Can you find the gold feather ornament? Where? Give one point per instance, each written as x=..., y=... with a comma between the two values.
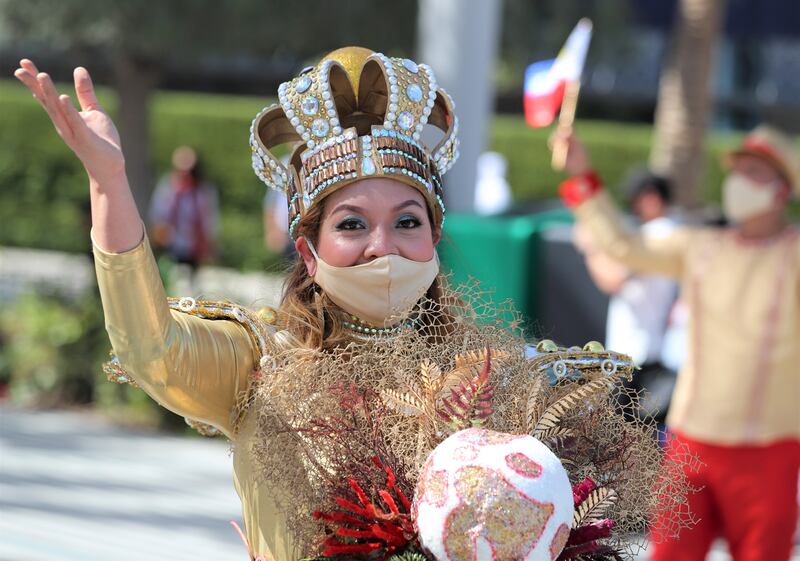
x=423, y=385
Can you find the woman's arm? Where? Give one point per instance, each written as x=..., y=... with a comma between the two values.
x=597, y=213
x=195, y=367
x=92, y=136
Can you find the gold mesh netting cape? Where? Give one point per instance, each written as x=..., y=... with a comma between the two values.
x=303, y=420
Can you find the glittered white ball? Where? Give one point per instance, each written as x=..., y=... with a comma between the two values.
x=491, y=496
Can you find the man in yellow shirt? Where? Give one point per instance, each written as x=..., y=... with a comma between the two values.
x=737, y=400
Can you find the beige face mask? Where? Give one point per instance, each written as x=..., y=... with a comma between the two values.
x=743, y=198
x=377, y=291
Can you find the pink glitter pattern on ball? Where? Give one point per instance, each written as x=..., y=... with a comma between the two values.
x=559, y=541
x=465, y=453
x=486, y=437
x=523, y=465
x=491, y=508
x=434, y=491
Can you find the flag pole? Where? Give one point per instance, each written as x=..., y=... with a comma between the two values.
x=565, y=120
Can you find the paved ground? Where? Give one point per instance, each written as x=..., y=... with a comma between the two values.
x=75, y=488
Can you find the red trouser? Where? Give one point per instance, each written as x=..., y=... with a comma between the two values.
x=748, y=497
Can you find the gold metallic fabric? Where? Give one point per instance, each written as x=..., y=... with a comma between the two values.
x=196, y=368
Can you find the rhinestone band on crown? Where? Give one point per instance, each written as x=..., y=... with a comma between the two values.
x=332, y=156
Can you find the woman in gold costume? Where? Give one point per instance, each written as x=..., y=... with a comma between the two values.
x=334, y=401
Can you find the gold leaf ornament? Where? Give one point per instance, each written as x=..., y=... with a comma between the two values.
x=595, y=507
x=554, y=414
x=403, y=402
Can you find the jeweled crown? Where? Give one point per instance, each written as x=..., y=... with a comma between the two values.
x=357, y=114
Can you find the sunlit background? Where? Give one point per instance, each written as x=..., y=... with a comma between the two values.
x=669, y=83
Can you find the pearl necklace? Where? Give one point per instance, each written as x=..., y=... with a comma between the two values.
x=357, y=325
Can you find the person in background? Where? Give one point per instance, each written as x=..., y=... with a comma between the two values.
x=184, y=211
x=736, y=400
x=640, y=303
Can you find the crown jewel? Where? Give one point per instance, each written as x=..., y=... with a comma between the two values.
x=356, y=114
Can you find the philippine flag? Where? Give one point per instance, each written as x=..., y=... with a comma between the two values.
x=546, y=81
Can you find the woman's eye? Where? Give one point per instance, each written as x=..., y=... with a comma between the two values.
x=350, y=224
x=409, y=222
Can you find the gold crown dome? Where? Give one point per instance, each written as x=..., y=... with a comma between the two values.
x=357, y=114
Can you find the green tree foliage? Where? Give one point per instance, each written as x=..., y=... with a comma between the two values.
x=157, y=31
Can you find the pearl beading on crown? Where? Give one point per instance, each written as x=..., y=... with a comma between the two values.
x=332, y=156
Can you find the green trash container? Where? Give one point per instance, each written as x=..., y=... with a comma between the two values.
x=502, y=253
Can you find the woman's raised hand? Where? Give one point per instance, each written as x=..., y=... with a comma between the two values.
x=90, y=133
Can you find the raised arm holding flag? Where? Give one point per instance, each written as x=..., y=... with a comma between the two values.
x=554, y=84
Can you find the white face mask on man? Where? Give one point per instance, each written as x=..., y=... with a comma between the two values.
x=375, y=292
x=743, y=198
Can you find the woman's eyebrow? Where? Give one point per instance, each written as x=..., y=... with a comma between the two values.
x=409, y=202
x=360, y=210
x=351, y=208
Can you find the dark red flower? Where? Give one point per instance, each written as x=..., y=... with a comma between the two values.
x=362, y=527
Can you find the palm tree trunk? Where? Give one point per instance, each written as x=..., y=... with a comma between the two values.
x=135, y=81
x=684, y=99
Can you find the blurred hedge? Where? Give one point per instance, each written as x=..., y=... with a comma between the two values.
x=52, y=347
x=43, y=199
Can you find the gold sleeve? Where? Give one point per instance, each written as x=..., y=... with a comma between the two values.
x=195, y=367
x=663, y=255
